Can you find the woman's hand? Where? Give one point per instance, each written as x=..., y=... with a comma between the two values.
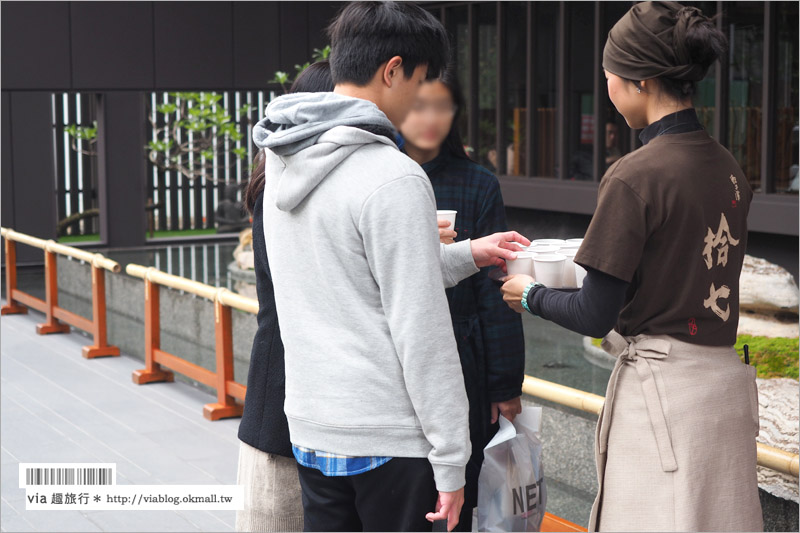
x=509, y=409
x=494, y=249
x=446, y=236
x=513, y=287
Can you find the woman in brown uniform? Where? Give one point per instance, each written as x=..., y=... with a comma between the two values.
x=675, y=444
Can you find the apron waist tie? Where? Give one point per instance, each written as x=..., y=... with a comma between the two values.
x=638, y=353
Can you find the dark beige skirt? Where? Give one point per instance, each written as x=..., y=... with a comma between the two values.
x=676, y=442
x=273, y=500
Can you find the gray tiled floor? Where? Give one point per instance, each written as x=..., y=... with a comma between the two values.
x=56, y=406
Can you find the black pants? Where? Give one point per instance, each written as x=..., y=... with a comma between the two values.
x=394, y=497
x=465, y=519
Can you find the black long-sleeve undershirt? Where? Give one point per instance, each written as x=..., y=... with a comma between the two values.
x=592, y=311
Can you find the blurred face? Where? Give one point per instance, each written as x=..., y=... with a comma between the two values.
x=401, y=93
x=428, y=123
x=631, y=104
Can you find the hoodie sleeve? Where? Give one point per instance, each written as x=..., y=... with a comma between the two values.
x=398, y=226
x=457, y=262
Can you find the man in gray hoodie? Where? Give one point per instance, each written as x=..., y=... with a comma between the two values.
x=375, y=395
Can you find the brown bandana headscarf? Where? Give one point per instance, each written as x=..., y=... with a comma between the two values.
x=649, y=41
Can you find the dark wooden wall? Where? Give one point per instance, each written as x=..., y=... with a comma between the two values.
x=118, y=50
x=100, y=46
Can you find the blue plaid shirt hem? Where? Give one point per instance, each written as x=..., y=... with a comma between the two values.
x=331, y=464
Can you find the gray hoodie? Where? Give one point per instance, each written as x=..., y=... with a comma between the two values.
x=350, y=224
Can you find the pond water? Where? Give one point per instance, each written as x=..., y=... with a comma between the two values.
x=206, y=263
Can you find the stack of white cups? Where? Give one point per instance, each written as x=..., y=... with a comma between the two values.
x=551, y=262
x=548, y=262
x=577, y=272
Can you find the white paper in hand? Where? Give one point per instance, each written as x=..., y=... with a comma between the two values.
x=507, y=431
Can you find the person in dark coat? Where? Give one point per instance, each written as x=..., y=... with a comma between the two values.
x=267, y=467
x=488, y=334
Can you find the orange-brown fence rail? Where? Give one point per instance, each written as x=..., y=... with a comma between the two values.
x=58, y=319
x=222, y=380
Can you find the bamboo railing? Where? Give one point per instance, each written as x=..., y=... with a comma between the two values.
x=58, y=320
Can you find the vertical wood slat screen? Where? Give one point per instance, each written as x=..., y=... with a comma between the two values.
x=181, y=203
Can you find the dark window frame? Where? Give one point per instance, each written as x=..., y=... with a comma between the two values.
x=771, y=212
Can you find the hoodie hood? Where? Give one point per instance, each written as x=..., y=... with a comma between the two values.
x=306, y=131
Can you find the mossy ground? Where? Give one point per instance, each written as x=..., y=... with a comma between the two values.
x=94, y=237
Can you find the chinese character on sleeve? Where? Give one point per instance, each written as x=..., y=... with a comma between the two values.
x=711, y=302
x=719, y=241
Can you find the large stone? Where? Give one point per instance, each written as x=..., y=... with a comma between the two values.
x=766, y=288
x=778, y=414
x=246, y=289
x=767, y=326
x=243, y=254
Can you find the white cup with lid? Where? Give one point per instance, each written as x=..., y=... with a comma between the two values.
x=541, y=249
x=548, y=242
x=549, y=269
x=523, y=264
x=569, y=280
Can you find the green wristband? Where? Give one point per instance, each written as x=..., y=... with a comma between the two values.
x=531, y=285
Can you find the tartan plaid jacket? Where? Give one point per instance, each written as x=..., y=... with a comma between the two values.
x=463, y=185
x=488, y=333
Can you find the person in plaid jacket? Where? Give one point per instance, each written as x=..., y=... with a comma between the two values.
x=489, y=335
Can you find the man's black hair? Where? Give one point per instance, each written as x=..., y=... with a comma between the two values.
x=364, y=35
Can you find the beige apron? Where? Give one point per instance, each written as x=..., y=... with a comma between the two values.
x=675, y=443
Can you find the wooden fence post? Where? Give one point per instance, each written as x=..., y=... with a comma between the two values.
x=100, y=348
x=53, y=325
x=11, y=307
x=152, y=338
x=226, y=405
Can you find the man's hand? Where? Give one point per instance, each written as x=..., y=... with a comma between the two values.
x=446, y=236
x=513, y=287
x=494, y=249
x=509, y=409
x=448, y=506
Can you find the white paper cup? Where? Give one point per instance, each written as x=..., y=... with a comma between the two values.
x=549, y=269
x=549, y=242
x=569, y=246
x=569, y=281
x=541, y=249
x=580, y=274
x=448, y=215
x=523, y=264
x=575, y=241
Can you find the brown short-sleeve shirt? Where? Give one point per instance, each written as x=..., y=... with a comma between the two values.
x=671, y=219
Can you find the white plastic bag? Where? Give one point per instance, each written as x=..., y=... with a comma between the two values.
x=511, y=490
